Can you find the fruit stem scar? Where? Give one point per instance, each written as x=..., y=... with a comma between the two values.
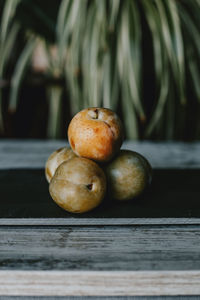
x=97, y=113
x=93, y=113
x=89, y=186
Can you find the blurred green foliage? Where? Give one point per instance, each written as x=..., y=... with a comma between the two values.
x=138, y=57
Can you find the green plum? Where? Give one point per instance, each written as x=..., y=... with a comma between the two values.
x=128, y=175
x=78, y=185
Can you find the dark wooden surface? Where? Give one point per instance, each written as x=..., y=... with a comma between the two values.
x=173, y=194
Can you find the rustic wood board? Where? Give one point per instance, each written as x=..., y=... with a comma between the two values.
x=114, y=260
x=97, y=248
x=44, y=283
x=34, y=153
x=99, y=297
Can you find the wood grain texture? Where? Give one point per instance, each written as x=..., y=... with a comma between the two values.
x=44, y=283
x=99, y=297
x=96, y=221
x=107, y=248
x=183, y=297
x=34, y=153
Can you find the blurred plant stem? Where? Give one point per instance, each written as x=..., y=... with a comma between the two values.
x=54, y=96
x=19, y=72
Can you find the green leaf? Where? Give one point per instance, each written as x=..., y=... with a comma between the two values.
x=54, y=94
x=130, y=119
x=126, y=59
x=19, y=72
x=114, y=10
x=7, y=46
x=7, y=17
x=171, y=33
x=160, y=106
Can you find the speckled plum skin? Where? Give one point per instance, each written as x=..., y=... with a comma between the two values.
x=78, y=185
x=95, y=133
x=128, y=175
x=55, y=159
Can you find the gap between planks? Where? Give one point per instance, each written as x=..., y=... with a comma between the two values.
x=99, y=283
x=97, y=221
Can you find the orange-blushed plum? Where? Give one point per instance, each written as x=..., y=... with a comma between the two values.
x=78, y=185
x=55, y=159
x=128, y=175
x=96, y=133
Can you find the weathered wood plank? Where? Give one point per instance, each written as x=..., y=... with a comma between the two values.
x=100, y=248
x=34, y=153
x=96, y=221
x=99, y=297
x=88, y=283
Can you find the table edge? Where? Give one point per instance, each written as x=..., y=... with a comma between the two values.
x=96, y=221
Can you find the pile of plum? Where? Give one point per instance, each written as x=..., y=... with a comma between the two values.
x=80, y=176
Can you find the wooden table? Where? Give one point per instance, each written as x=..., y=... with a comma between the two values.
x=149, y=247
